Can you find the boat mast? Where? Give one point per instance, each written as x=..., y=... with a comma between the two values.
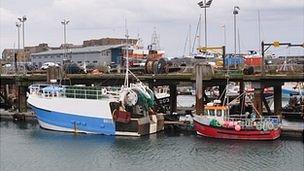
x=127, y=56
x=190, y=40
x=197, y=36
x=259, y=25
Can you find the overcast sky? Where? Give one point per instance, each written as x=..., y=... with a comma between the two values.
x=93, y=19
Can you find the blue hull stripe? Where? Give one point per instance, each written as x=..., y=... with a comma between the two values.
x=82, y=123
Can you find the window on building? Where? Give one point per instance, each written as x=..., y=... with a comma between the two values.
x=58, y=56
x=39, y=57
x=87, y=62
x=79, y=62
x=94, y=62
x=45, y=56
x=34, y=57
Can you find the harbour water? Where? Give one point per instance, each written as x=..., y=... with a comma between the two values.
x=25, y=146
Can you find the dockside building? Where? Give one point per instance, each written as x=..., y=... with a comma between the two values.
x=97, y=55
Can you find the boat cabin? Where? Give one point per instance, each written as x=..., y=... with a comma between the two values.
x=216, y=111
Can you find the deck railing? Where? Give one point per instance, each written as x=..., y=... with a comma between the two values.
x=75, y=92
x=265, y=122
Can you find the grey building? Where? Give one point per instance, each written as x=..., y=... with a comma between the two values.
x=97, y=55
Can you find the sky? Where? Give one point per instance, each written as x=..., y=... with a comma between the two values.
x=280, y=20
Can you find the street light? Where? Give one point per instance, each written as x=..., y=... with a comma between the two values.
x=22, y=20
x=205, y=5
x=224, y=34
x=64, y=22
x=18, y=25
x=235, y=12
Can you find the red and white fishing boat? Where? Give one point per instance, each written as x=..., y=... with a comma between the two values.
x=217, y=122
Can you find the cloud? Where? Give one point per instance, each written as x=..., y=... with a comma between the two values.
x=6, y=16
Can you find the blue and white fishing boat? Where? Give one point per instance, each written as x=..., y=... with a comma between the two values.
x=128, y=111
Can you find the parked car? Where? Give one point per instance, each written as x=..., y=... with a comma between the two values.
x=48, y=64
x=72, y=68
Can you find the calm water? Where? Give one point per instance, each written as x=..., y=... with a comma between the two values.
x=25, y=146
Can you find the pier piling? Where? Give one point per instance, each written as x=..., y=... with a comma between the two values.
x=173, y=98
x=199, y=104
x=258, y=94
x=277, y=96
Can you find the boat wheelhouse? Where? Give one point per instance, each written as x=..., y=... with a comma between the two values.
x=217, y=122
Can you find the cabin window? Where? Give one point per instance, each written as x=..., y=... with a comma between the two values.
x=218, y=113
x=205, y=112
x=225, y=112
x=211, y=112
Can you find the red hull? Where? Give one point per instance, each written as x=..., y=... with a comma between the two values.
x=228, y=133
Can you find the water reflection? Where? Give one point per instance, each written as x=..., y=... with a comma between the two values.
x=39, y=148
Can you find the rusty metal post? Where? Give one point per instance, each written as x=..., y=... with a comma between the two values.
x=242, y=99
x=173, y=98
x=277, y=96
x=22, y=106
x=199, y=105
x=258, y=90
x=53, y=73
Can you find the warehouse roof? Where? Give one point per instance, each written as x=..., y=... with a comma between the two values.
x=88, y=49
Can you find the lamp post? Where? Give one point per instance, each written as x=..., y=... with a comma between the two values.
x=224, y=34
x=22, y=20
x=235, y=12
x=18, y=25
x=205, y=5
x=64, y=22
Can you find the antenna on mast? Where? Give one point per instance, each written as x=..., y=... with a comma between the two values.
x=154, y=41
